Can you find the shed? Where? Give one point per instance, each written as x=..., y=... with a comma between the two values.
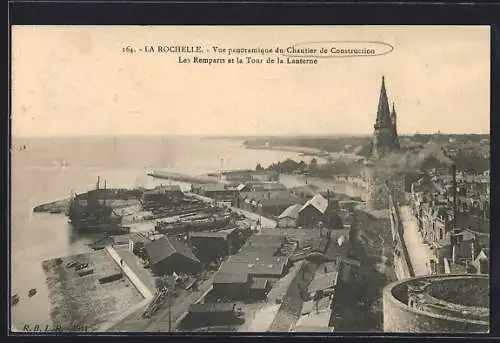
x=170, y=255
x=313, y=211
x=235, y=286
x=212, y=245
x=288, y=218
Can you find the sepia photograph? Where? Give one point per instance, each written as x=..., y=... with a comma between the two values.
x=290, y=179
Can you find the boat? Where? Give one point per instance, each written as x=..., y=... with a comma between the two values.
x=32, y=292
x=15, y=299
x=91, y=213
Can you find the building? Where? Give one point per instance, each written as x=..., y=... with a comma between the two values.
x=438, y=304
x=210, y=314
x=385, y=137
x=217, y=191
x=234, y=286
x=268, y=267
x=209, y=246
x=271, y=203
x=259, y=288
x=162, y=196
x=167, y=256
x=313, y=212
x=288, y=218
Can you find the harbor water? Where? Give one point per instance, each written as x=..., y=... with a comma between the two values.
x=48, y=169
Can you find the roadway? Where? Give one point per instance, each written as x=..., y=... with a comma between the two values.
x=418, y=251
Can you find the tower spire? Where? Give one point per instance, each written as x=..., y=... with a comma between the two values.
x=383, y=112
x=385, y=137
x=393, y=115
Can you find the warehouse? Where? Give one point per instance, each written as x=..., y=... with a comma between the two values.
x=211, y=245
x=234, y=286
x=167, y=256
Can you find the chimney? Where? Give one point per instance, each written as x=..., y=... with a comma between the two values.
x=454, y=185
x=104, y=184
x=98, y=182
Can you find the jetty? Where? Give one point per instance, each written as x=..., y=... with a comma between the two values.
x=182, y=177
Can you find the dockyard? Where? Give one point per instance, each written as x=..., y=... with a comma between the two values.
x=219, y=257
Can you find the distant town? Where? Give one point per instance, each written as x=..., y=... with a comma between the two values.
x=387, y=233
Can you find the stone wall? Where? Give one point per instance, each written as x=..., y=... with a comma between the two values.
x=402, y=266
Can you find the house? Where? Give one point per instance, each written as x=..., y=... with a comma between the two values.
x=167, y=256
x=211, y=245
x=288, y=218
x=234, y=286
x=313, y=212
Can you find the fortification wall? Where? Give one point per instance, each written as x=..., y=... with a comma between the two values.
x=399, y=317
x=402, y=266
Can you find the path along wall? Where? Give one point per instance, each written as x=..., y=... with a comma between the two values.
x=402, y=266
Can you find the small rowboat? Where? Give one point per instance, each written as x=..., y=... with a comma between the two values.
x=32, y=292
x=15, y=299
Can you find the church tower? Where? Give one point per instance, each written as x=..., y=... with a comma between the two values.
x=395, y=127
x=385, y=137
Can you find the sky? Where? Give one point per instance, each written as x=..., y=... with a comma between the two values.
x=76, y=80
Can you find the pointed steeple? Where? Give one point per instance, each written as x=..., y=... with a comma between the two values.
x=383, y=112
x=394, y=120
x=393, y=115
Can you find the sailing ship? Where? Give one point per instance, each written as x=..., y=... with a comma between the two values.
x=91, y=212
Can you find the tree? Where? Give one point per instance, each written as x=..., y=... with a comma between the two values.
x=259, y=167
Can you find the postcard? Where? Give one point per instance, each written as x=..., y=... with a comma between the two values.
x=250, y=179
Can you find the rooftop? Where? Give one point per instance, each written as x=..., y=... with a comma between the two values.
x=164, y=247
x=225, y=278
x=291, y=212
x=318, y=202
x=211, y=307
x=322, y=282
